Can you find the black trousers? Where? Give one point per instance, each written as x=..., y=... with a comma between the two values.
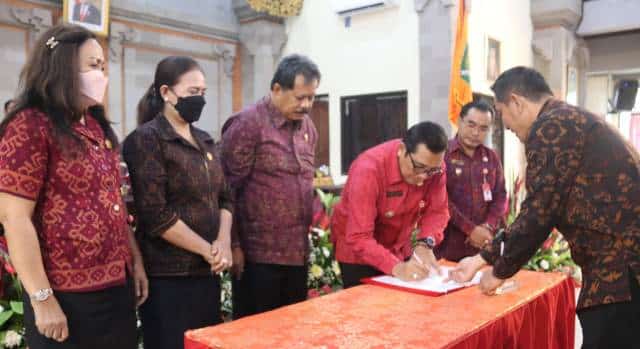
x=103, y=319
x=265, y=287
x=353, y=273
x=178, y=304
x=615, y=325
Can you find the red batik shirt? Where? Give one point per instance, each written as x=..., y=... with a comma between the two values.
x=378, y=211
x=80, y=217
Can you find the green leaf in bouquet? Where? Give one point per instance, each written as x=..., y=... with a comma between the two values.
x=17, y=286
x=5, y=316
x=17, y=307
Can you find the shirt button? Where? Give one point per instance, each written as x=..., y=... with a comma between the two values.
x=116, y=208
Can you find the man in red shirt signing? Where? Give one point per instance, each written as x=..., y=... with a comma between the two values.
x=395, y=190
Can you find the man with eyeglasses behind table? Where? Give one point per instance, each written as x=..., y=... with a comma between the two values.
x=394, y=190
x=475, y=185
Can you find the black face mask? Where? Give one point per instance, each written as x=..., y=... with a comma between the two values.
x=190, y=107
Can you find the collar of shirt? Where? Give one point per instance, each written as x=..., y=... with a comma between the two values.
x=168, y=133
x=392, y=166
x=87, y=129
x=545, y=111
x=278, y=119
x=454, y=146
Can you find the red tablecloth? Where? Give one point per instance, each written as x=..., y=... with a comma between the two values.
x=540, y=313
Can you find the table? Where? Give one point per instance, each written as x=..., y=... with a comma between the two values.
x=540, y=313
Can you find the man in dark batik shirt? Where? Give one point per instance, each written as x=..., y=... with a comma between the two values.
x=475, y=186
x=582, y=178
x=268, y=152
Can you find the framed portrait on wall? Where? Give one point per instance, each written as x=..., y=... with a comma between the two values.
x=91, y=14
x=493, y=59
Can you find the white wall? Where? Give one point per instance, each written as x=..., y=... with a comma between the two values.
x=209, y=13
x=598, y=87
x=619, y=52
x=377, y=53
x=607, y=16
x=508, y=21
x=13, y=56
x=612, y=57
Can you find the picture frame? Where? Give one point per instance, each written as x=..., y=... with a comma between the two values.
x=493, y=59
x=90, y=14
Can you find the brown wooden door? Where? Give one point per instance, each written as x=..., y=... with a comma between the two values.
x=369, y=120
x=320, y=116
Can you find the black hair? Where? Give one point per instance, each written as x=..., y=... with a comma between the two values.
x=7, y=104
x=526, y=82
x=168, y=72
x=478, y=105
x=49, y=82
x=428, y=133
x=292, y=66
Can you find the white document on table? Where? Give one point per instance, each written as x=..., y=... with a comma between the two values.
x=432, y=284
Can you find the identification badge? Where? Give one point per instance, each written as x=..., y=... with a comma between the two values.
x=394, y=194
x=486, y=192
x=458, y=171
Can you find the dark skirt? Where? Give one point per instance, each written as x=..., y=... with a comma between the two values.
x=352, y=274
x=178, y=304
x=104, y=319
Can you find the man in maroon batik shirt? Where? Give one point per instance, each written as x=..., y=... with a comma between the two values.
x=475, y=184
x=395, y=190
x=268, y=152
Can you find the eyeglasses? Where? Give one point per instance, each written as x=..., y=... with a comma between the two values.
x=419, y=168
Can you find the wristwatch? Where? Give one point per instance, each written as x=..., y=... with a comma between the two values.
x=42, y=295
x=429, y=242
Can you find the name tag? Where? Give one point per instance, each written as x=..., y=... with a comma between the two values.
x=486, y=192
x=394, y=194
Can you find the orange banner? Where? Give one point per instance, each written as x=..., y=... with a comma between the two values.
x=460, y=89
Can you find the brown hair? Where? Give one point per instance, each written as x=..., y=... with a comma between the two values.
x=49, y=82
x=168, y=72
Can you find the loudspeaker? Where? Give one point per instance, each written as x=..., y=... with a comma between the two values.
x=624, y=96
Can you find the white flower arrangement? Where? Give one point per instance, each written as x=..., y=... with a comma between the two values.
x=12, y=339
